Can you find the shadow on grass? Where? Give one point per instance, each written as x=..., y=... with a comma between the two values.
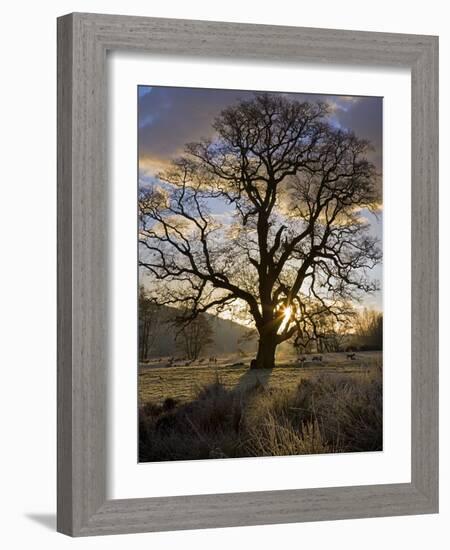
x=253, y=377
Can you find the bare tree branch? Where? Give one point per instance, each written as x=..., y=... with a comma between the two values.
x=294, y=189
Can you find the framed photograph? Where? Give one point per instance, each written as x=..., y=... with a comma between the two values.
x=247, y=274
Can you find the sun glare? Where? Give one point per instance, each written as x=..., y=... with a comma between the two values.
x=287, y=313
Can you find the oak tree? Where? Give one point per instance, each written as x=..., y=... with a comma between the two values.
x=264, y=219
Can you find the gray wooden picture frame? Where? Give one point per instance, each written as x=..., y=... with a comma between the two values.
x=83, y=42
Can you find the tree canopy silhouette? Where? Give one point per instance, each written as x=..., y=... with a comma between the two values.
x=264, y=217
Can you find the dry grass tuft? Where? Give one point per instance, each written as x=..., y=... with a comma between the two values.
x=327, y=413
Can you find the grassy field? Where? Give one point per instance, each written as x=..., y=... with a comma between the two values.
x=158, y=382
x=226, y=410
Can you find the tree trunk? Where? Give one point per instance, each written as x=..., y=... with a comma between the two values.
x=265, y=357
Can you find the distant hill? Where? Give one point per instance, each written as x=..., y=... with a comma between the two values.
x=227, y=336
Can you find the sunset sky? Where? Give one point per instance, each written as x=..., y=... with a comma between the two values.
x=169, y=117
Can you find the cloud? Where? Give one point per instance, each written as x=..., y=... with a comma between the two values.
x=170, y=117
x=365, y=118
x=144, y=90
x=149, y=166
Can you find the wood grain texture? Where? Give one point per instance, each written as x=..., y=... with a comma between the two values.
x=424, y=280
x=64, y=276
x=83, y=41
